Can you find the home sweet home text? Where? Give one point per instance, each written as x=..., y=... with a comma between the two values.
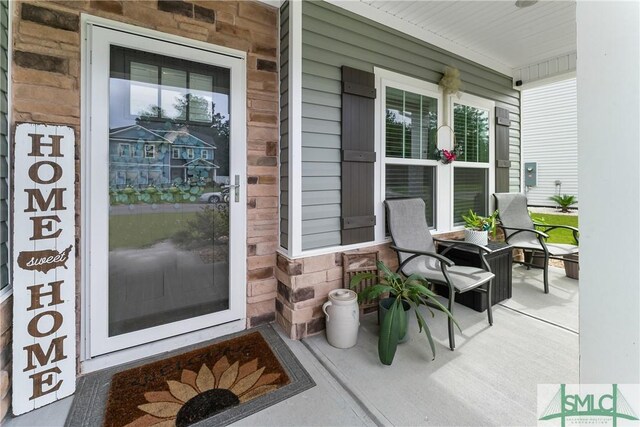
x=44, y=268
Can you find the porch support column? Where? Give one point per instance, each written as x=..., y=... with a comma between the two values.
x=609, y=195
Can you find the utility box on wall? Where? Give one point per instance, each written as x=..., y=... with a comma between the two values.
x=530, y=174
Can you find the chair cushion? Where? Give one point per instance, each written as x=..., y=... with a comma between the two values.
x=408, y=225
x=463, y=278
x=513, y=212
x=555, y=249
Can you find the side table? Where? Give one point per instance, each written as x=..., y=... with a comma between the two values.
x=500, y=261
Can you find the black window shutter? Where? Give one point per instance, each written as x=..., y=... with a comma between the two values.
x=358, y=156
x=502, y=150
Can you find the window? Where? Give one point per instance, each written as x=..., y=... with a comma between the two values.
x=149, y=151
x=470, y=192
x=175, y=153
x=190, y=153
x=471, y=124
x=159, y=87
x=124, y=150
x=410, y=123
x=411, y=114
x=204, y=154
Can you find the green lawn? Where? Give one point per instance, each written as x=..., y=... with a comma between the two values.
x=138, y=231
x=558, y=235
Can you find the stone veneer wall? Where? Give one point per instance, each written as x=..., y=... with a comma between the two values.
x=5, y=355
x=45, y=78
x=304, y=284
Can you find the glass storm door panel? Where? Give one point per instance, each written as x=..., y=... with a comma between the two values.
x=168, y=170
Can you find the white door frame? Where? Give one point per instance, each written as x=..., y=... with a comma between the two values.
x=100, y=34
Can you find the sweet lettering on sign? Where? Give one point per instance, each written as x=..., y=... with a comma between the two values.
x=44, y=362
x=43, y=260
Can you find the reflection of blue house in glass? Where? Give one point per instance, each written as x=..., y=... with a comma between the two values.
x=141, y=156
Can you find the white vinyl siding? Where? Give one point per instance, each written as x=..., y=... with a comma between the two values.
x=550, y=138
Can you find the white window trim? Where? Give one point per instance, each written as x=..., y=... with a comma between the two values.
x=173, y=153
x=204, y=154
x=145, y=152
x=490, y=106
x=190, y=153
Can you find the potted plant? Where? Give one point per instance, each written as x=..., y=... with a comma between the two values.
x=477, y=228
x=564, y=201
x=409, y=292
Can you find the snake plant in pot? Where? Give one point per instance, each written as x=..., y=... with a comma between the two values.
x=411, y=290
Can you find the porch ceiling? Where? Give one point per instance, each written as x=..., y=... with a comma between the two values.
x=496, y=34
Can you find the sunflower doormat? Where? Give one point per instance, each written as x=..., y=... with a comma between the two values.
x=212, y=385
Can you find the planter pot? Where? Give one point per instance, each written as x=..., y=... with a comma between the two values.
x=572, y=269
x=383, y=308
x=537, y=261
x=477, y=237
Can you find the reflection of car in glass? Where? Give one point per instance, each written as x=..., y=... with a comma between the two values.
x=216, y=197
x=211, y=197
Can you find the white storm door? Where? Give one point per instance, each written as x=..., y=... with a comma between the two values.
x=166, y=161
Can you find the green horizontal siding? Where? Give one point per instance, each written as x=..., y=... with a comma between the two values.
x=4, y=145
x=332, y=38
x=284, y=125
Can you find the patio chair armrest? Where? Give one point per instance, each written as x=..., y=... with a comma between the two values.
x=521, y=230
x=462, y=243
x=415, y=253
x=549, y=227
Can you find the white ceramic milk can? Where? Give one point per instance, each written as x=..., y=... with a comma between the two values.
x=343, y=318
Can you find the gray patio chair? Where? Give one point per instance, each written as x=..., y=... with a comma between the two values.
x=520, y=232
x=417, y=255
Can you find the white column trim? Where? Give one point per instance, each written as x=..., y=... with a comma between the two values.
x=295, y=128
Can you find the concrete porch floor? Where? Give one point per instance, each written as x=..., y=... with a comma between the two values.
x=490, y=379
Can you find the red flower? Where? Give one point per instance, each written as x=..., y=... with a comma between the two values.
x=449, y=155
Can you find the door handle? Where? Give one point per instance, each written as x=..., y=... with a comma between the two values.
x=236, y=188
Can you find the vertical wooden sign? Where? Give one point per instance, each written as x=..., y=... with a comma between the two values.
x=44, y=333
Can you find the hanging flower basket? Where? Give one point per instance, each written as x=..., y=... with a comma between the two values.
x=448, y=156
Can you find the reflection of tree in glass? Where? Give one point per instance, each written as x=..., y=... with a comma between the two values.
x=209, y=226
x=405, y=129
x=219, y=126
x=188, y=106
x=471, y=126
x=395, y=129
